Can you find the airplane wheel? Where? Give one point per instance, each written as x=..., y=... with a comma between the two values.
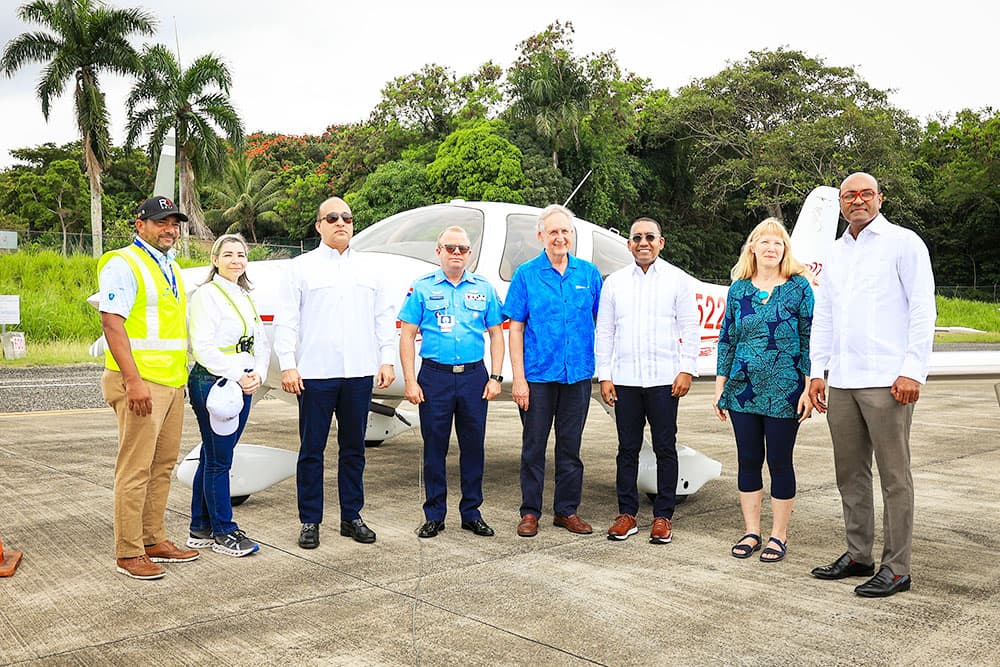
x=373, y=443
x=238, y=500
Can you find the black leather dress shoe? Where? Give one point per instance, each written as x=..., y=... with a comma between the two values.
x=844, y=567
x=479, y=527
x=309, y=536
x=884, y=584
x=358, y=531
x=430, y=528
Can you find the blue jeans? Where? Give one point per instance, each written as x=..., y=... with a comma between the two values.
x=211, y=506
x=566, y=405
x=634, y=407
x=349, y=399
x=457, y=396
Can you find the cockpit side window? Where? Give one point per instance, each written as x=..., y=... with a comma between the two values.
x=610, y=253
x=522, y=243
x=414, y=233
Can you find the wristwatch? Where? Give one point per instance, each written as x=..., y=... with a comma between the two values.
x=498, y=378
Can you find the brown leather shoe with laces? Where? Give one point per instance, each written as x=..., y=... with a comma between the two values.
x=168, y=552
x=623, y=526
x=139, y=567
x=573, y=524
x=528, y=526
x=662, y=531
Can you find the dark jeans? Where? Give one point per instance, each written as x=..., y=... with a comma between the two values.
x=447, y=396
x=634, y=407
x=566, y=405
x=752, y=432
x=349, y=399
x=211, y=506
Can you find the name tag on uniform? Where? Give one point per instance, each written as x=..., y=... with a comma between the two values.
x=446, y=322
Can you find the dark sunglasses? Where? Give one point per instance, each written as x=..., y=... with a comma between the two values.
x=649, y=236
x=451, y=248
x=334, y=217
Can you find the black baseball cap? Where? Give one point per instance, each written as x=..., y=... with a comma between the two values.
x=159, y=207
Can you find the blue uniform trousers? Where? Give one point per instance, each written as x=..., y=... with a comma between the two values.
x=211, y=506
x=450, y=395
x=566, y=405
x=349, y=399
x=634, y=407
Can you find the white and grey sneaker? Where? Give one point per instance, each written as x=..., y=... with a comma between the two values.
x=200, y=539
x=235, y=544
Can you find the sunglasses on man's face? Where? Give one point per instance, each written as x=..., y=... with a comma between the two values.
x=334, y=217
x=452, y=248
x=650, y=237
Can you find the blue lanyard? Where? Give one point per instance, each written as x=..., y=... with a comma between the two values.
x=171, y=279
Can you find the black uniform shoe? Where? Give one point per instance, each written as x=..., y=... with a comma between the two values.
x=309, y=536
x=884, y=584
x=358, y=531
x=479, y=527
x=844, y=567
x=430, y=528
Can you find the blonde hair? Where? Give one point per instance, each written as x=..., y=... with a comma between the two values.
x=242, y=281
x=746, y=267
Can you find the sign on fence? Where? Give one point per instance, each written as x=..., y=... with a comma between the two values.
x=8, y=240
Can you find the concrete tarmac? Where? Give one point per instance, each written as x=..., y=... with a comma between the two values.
x=458, y=599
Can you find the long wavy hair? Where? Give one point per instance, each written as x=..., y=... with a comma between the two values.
x=746, y=267
x=242, y=281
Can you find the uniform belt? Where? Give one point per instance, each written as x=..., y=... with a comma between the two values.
x=448, y=368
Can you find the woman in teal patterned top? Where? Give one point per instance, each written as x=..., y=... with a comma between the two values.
x=762, y=371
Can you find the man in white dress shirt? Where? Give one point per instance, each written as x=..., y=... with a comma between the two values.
x=873, y=328
x=647, y=352
x=334, y=335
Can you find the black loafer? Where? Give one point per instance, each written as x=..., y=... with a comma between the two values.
x=358, y=531
x=844, y=567
x=430, y=528
x=884, y=584
x=309, y=536
x=479, y=527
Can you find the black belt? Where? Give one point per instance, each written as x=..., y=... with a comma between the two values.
x=447, y=368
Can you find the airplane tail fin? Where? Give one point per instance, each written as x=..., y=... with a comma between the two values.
x=816, y=228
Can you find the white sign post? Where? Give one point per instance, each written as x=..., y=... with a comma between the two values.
x=8, y=240
x=14, y=346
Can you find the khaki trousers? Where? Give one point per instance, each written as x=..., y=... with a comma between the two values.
x=147, y=452
x=863, y=421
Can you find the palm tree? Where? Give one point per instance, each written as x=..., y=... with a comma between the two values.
x=245, y=196
x=86, y=39
x=194, y=102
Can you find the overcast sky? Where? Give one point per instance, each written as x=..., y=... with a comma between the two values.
x=300, y=66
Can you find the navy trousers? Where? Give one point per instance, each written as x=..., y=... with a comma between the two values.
x=634, y=407
x=566, y=405
x=759, y=437
x=349, y=399
x=211, y=506
x=449, y=396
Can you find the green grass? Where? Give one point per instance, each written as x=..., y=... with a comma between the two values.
x=54, y=353
x=972, y=314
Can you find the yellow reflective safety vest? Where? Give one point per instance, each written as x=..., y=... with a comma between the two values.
x=157, y=324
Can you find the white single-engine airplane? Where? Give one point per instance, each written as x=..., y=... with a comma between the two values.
x=503, y=237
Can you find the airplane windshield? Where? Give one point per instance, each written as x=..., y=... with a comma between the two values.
x=414, y=233
x=610, y=254
x=522, y=243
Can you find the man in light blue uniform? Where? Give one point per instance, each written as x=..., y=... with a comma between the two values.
x=452, y=308
x=552, y=303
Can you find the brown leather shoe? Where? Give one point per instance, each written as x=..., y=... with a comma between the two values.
x=168, y=552
x=139, y=567
x=662, y=531
x=573, y=524
x=528, y=526
x=623, y=526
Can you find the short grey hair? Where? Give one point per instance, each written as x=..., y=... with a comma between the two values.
x=549, y=210
x=453, y=228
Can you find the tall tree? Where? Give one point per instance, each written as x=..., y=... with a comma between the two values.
x=245, y=197
x=86, y=38
x=194, y=102
x=55, y=196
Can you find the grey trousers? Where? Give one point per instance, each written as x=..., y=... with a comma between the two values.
x=863, y=421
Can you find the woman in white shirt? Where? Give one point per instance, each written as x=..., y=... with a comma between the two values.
x=229, y=345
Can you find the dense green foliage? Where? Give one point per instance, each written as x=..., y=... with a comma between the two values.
x=708, y=160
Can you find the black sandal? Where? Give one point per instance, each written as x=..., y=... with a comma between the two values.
x=778, y=553
x=745, y=550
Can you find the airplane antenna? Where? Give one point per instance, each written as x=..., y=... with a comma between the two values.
x=579, y=185
x=177, y=41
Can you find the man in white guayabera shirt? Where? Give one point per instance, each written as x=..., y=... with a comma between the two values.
x=872, y=329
